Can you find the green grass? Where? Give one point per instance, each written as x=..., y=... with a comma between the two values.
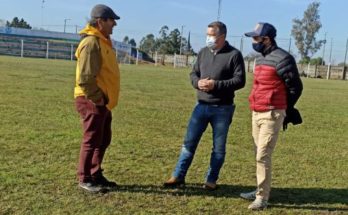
x=40, y=135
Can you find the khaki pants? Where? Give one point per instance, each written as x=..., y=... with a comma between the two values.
x=265, y=130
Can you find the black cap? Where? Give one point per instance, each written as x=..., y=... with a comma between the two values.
x=263, y=30
x=103, y=11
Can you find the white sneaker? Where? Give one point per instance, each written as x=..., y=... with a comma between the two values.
x=249, y=196
x=91, y=187
x=258, y=204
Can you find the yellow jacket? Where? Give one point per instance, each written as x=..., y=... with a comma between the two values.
x=97, y=71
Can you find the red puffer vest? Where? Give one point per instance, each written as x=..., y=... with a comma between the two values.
x=269, y=91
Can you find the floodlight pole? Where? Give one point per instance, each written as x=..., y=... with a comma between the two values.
x=345, y=55
x=241, y=44
x=219, y=10
x=322, y=59
x=182, y=31
x=331, y=49
x=345, y=58
x=65, y=23
x=42, y=8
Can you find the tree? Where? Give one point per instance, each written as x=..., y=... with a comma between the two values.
x=132, y=43
x=174, y=42
x=187, y=47
x=305, y=29
x=163, y=32
x=165, y=43
x=148, y=44
x=126, y=39
x=317, y=61
x=162, y=41
x=313, y=61
x=16, y=23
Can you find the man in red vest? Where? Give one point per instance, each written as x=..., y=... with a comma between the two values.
x=276, y=88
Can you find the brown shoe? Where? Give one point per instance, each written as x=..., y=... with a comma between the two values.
x=174, y=183
x=209, y=186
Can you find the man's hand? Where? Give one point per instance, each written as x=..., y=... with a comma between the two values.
x=206, y=84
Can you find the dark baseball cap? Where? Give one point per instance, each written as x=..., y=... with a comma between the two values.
x=103, y=11
x=263, y=29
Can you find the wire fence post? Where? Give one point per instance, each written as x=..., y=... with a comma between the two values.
x=71, y=51
x=47, y=49
x=254, y=65
x=156, y=59
x=174, y=60
x=308, y=69
x=22, y=48
x=137, y=61
x=328, y=71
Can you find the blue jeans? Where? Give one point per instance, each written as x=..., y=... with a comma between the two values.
x=220, y=118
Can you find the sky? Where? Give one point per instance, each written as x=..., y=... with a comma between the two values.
x=142, y=17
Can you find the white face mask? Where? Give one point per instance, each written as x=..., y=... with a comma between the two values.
x=211, y=42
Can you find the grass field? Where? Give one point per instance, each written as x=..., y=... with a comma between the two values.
x=40, y=136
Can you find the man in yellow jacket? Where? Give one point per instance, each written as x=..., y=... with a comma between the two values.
x=96, y=94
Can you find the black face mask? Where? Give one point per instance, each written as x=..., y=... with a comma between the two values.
x=259, y=47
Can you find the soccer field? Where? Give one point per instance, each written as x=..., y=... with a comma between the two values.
x=40, y=137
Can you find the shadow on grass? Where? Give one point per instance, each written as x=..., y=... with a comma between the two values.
x=288, y=198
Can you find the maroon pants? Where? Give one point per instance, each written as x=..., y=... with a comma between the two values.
x=96, y=123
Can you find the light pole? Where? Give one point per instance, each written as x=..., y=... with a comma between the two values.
x=42, y=8
x=322, y=58
x=65, y=23
x=345, y=55
x=331, y=49
x=219, y=10
x=182, y=31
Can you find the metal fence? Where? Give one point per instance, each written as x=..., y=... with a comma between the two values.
x=50, y=48
x=65, y=49
x=313, y=71
x=37, y=47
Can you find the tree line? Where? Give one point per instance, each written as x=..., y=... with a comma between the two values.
x=166, y=43
x=18, y=23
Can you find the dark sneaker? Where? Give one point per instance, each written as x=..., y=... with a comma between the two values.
x=100, y=180
x=209, y=186
x=91, y=187
x=174, y=183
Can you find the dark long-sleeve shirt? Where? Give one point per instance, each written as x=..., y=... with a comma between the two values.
x=226, y=68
